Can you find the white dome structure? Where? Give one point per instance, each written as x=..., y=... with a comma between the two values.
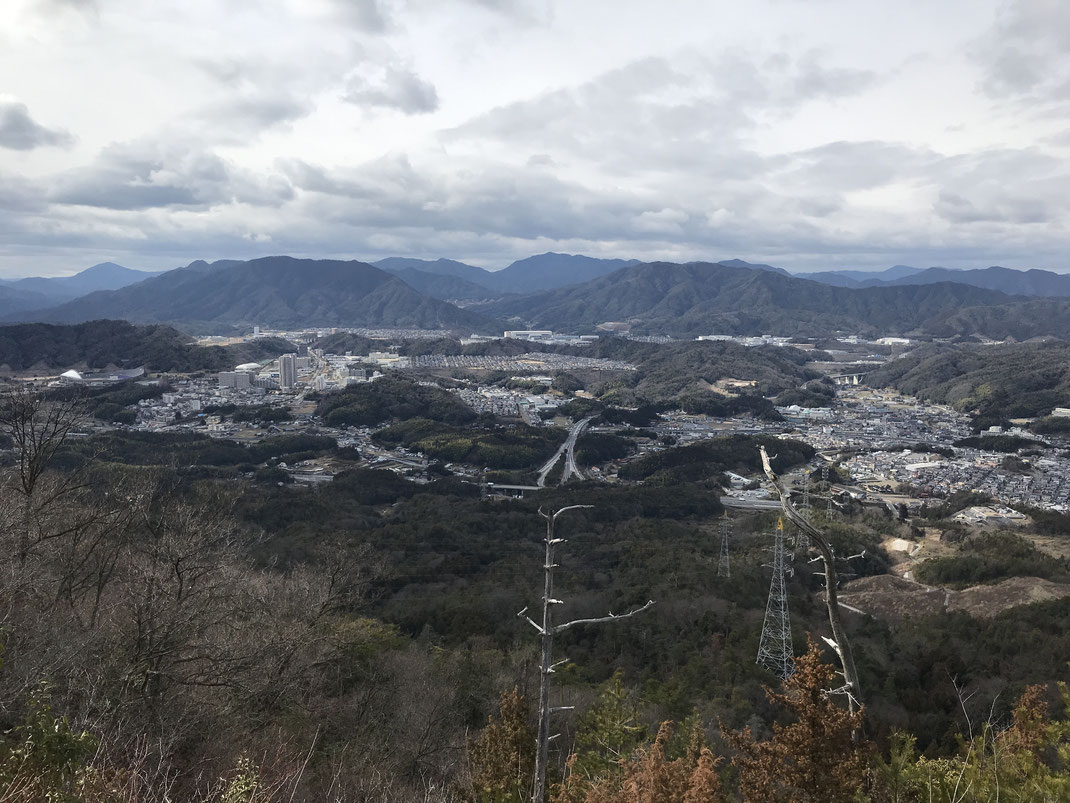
x=71, y=376
x=248, y=367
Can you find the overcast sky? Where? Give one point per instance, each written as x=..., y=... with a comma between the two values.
x=812, y=134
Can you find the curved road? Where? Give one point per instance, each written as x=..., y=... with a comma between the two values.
x=568, y=450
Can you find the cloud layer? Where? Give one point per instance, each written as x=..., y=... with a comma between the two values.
x=807, y=135
x=20, y=132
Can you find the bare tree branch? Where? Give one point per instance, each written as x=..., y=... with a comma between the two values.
x=820, y=542
x=612, y=617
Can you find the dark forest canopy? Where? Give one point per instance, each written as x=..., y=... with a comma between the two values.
x=99, y=344
x=705, y=298
x=389, y=398
x=519, y=447
x=710, y=458
x=350, y=641
x=1007, y=381
x=665, y=372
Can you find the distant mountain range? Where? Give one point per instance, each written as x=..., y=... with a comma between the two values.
x=559, y=291
x=272, y=291
x=706, y=298
x=542, y=272
x=1043, y=283
x=55, y=290
x=100, y=344
x=861, y=278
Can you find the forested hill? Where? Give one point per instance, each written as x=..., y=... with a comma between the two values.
x=15, y=300
x=99, y=344
x=1006, y=280
x=273, y=291
x=700, y=298
x=1019, y=380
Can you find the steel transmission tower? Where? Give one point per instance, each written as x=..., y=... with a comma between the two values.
x=828, y=490
x=724, y=569
x=802, y=540
x=774, y=649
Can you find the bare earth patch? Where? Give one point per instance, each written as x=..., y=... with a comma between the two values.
x=890, y=597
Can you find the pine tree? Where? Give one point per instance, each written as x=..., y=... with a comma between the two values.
x=502, y=756
x=608, y=732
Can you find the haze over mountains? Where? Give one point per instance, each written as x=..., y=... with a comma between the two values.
x=529, y=275
x=559, y=291
x=703, y=298
x=274, y=291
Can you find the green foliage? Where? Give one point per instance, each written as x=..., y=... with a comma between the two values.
x=1029, y=761
x=1051, y=426
x=1047, y=522
x=191, y=449
x=710, y=458
x=101, y=343
x=608, y=732
x=997, y=443
x=45, y=755
x=516, y=447
x=813, y=394
x=642, y=416
x=709, y=403
x=243, y=786
x=995, y=382
x=594, y=448
x=391, y=397
x=109, y=402
x=674, y=371
x=990, y=558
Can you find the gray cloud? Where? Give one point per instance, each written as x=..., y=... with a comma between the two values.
x=17, y=194
x=146, y=175
x=812, y=79
x=847, y=166
x=686, y=116
x=1024, y=56
x=20, y=132
x=90, y=8
x=245, y=115
x=364, y=15
x=392, y=87
x=680, y=151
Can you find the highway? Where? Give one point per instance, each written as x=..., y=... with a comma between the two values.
x=570, y=453
x=568, y=450
x=750, y=504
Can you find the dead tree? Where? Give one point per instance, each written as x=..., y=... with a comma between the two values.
x=547, y=630
x=38, y=428
x=818, y=540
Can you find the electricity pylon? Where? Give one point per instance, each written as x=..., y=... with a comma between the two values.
x=802, y=540
x=774, y=649
x=724, y=568
x=828, y=490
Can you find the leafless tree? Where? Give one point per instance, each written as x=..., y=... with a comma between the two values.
x=546, y=631
x=819, y=541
